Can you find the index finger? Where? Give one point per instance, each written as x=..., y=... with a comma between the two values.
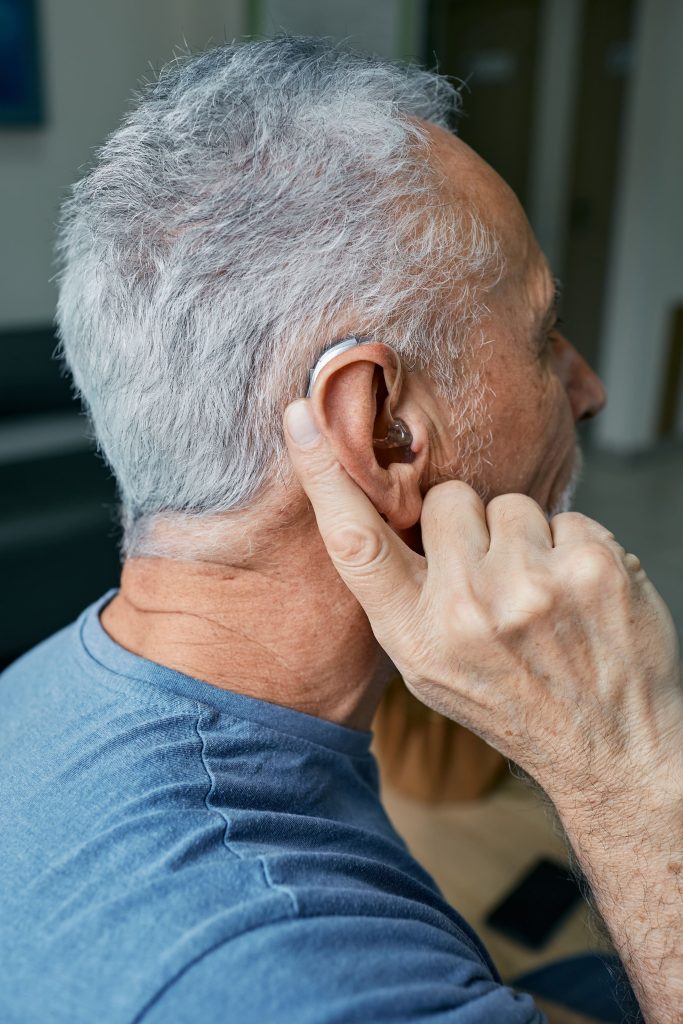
x=382, y=572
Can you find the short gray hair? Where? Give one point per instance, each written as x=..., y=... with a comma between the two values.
x=257, y=198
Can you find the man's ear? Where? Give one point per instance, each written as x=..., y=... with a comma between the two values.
x=356, y=398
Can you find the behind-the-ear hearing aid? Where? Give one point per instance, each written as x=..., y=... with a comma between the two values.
x=398, y=435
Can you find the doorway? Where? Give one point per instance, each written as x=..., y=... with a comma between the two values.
x=493, y=45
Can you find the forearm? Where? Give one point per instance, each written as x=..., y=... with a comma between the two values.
x=630, y=848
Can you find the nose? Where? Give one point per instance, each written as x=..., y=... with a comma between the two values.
x=584, y=388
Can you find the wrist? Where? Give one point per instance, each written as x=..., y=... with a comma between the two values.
x=641, y=775
x=631, y=819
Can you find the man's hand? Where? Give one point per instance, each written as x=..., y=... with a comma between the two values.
x=546, y=639
x=549, y=641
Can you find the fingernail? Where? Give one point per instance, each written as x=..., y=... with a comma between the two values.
x=300, y=424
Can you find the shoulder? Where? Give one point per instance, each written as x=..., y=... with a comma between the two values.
x=340, y=968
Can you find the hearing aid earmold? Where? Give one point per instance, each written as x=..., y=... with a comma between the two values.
x=398, y=436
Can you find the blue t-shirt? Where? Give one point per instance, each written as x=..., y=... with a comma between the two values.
x=173, y=852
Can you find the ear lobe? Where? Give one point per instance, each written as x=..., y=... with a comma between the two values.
x=352, y=408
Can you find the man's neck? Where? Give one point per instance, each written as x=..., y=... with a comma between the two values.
x=282, y=629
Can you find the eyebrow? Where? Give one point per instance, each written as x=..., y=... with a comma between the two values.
x=548, y=319
x=551, y=312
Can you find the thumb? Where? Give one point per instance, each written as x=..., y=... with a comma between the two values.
x=382, y=572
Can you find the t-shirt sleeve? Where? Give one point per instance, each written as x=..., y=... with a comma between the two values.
x=341, y=970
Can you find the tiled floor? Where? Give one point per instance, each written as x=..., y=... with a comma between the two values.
x=477, y=851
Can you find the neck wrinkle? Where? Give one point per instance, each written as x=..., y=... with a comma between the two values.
x=284, y=628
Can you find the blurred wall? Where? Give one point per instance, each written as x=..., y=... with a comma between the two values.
x=646, y=281
x=93, y=55
x=390, y=28
x=550, y=160
x=58, y=535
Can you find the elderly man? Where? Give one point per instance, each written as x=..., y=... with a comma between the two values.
x=192, y=829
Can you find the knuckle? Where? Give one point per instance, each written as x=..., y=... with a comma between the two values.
x=595, y=564
x=535, y=599
x=527, y=608
x=450, y=492
x=511, y=507
x=482, y=615
x=355, y=548
x=580, y=523
x=532, y=603
x=464, y=612
x=572, y=519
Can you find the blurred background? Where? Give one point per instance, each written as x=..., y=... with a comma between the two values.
x=577, y=103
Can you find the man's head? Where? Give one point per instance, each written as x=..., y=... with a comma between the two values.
x=261, y=202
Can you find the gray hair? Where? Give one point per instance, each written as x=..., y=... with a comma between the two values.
x=259, y=199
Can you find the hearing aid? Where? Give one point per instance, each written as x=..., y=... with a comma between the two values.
x=398, y=434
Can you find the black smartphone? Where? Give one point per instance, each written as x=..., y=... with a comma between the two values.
x=531, y=912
